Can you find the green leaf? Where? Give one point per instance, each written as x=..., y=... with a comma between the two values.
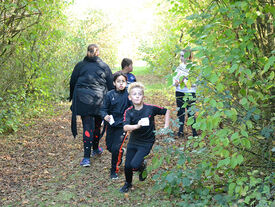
x=214, y=78
x=269, y=63
x=271, y=76
x=233, y=68
x=231, y=188
x=244, y=101
x=186, y=181
x=236, y=160
x=223, y=162
x=220, y=87
x=190, y=121
x=226, y=142
x=170, y=177
x=244, y=133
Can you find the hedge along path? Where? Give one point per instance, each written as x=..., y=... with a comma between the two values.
x=40, y=166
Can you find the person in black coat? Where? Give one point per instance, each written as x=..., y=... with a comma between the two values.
x=90, y=81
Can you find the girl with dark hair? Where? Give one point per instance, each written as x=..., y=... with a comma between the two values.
x=90, y=81
x=114, y=104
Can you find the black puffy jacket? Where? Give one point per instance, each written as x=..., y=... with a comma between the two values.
x=90, y=81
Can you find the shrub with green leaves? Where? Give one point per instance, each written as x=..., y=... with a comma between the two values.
x=39, y=49
x=233, y=43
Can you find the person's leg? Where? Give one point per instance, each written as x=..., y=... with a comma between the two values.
x=128, y=170
x=117, y=149
x=96, y=134
x=116, y=136
x=191, y=113
x=181, y=112
x=138, y=159
x=88, y=128
x=131, y=150
x=108, y=139
x=138, y=163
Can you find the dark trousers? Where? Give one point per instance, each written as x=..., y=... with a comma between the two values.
x=115, y=137
x=91, y=132
x=134, y=159
x=185, y=101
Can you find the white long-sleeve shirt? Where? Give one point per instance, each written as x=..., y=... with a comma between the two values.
x=182, y=72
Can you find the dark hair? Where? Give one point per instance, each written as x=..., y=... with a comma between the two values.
x=119, y=73
x=126, y=62
x=92, y=49
x=190, y=53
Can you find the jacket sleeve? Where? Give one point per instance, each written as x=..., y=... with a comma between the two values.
x=109, y=79
x=74, y=77
x=105, y=106
x=158, y=110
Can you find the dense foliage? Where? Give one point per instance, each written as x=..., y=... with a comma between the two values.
x=39, y=48
x=232, y=161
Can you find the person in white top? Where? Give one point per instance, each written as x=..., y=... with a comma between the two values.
x=185, y=92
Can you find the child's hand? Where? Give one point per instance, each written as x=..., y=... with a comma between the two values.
x=110, y=119
x=177, y=82
x=107, y=118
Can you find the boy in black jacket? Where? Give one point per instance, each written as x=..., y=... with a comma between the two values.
x=114, y=104
x=139, y=119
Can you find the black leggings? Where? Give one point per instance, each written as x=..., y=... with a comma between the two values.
x=91, y=133
x=115, y=137
x=189, y=99
x=134, y=159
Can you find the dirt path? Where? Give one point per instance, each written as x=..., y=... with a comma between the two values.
x=40, y=167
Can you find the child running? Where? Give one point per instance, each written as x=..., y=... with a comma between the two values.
x=114, y=104
x=139, y=119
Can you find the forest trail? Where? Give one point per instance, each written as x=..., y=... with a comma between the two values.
x=40, y=166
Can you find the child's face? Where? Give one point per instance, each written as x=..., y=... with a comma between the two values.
x=136, y=96
x=182, y=59
x=129, y=68
x=120, y=83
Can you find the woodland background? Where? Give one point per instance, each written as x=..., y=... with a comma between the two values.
x=231, y=163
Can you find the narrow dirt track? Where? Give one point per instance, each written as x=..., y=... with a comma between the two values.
x=40, y=165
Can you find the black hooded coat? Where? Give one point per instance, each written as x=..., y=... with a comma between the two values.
x=90, y=81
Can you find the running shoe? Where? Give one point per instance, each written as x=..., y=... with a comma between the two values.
x=97, y=151
x=114, y=176
x=85, y=162
x=126, y=187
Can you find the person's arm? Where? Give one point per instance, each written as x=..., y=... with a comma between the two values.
x=158, y=110
x=109, y=78
x=74, y=77
x=104, y=108
x=129, y=127
x=167, y=119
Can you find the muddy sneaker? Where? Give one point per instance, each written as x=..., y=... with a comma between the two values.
x=114, y=176
x=143, y=172
x=85, y=162
x=97, y=151
x=125, y=188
